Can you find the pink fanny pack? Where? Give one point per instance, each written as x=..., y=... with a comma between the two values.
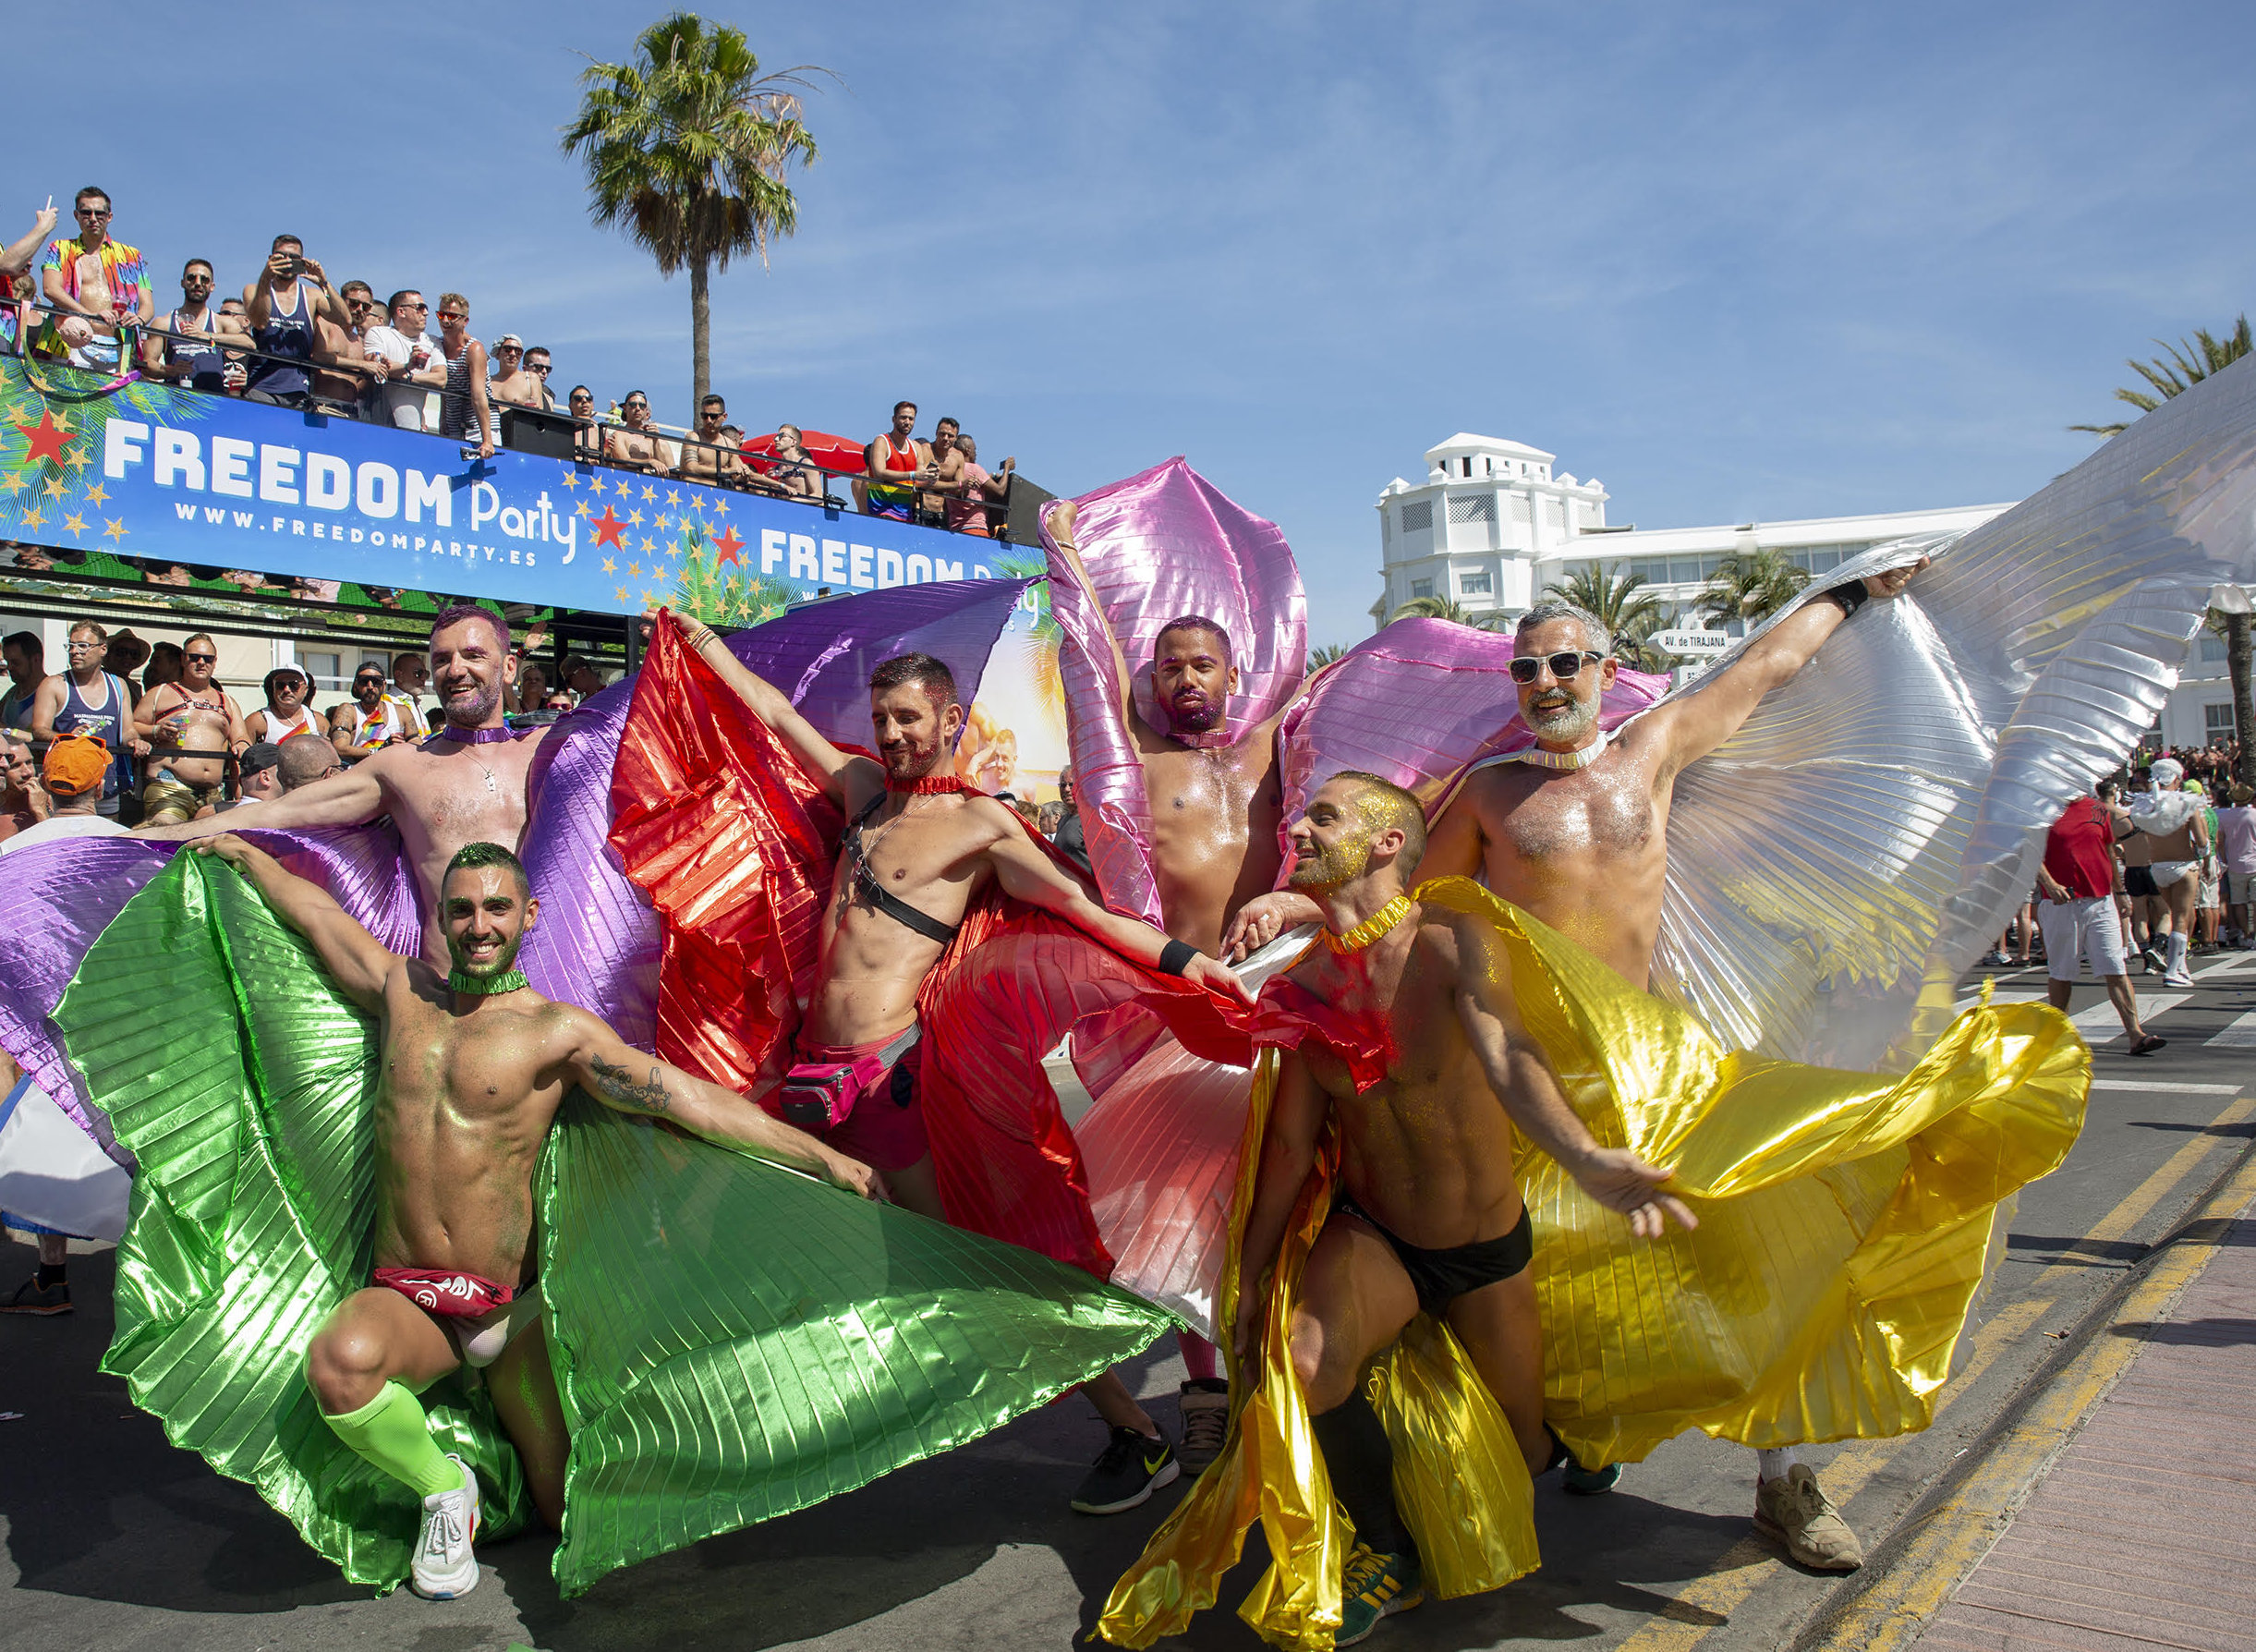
x=820, y=1095
x=456, y=1296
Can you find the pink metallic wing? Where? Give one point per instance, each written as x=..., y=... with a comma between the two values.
x=1418, y=704
x=1158, y=546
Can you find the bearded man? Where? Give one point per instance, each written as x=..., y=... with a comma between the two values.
x=473, y=1067
x=465, y=785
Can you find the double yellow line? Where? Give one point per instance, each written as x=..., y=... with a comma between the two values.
x=1890, y=1612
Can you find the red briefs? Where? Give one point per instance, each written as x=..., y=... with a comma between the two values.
x=441, y=1291
x=885, y=1128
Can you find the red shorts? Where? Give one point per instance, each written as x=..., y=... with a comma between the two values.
x=886, y=1129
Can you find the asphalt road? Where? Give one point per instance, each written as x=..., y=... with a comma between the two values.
x=115, y=1541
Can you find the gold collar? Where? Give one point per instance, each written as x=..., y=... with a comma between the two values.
x=1371, y=929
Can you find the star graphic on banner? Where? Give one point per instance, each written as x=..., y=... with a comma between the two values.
x=661, y=522
x=74, y=523
x=610, y=566
x=55, y=486
x=634, y=570
x=608, y=528
x=649, y=599
x=15, y=482
x=728, y=545
x=582, y=508
x=647, y=545
x=571, y=477
x=79, y=458
x=44, y=440
x=97, y=494
x=673, y=495
x=721, y=507
x=635, y=518
x=620, y=593
x=649, y=492
x=595, y=484
x=34, y=518
x=117, y=529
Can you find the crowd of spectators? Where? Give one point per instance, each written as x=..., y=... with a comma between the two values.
x=176, y=743
x=291, y=337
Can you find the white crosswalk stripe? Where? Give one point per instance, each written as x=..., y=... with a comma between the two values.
x=2094, y=1019
x=2240, y=1035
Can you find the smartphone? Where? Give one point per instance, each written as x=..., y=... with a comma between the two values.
x=295, y=268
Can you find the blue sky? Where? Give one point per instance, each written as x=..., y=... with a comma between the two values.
x=1736, y=261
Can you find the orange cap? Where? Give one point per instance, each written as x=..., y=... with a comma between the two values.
x=77, y=764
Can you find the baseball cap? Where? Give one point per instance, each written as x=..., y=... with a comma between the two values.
x=260, y=755
x=77, y=764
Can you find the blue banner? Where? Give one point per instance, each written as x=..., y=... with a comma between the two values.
x=182, y=476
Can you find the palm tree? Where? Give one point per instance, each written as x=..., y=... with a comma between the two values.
x=1446, y=608
x=2190, y=362
x=1750, y=586
x=2232, y=623
x=1629, y=613
x=1319, y=658
x=687, y=146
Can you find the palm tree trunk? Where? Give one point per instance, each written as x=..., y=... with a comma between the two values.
x=700, y=337
x=2244, y=706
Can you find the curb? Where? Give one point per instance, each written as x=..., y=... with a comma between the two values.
x=1948, y=1531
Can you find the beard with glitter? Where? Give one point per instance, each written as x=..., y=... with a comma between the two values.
x=910, y=761
x=1191, y=713
x=503, y=960
x=1556, y=714
x=469, y=708
x=1335, y=863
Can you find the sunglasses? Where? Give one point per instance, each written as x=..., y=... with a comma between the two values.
x=202, y=658
x=367, y=682
x=1563, y=666
x=93, y=213
x=417, y=304
x=536, y=367
x=453, y=315
x=360, y=304
x=509, y=349
x=637, y=406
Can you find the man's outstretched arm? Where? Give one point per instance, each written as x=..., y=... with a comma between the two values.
x=1711, y=714
x=349, y=797
x=1029, y=875
x=351, y=955
x=821, y=760
x=621, y=1076
x=1528, y=1091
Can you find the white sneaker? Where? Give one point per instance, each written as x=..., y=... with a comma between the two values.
x=2182, y=979
x=444, y=1568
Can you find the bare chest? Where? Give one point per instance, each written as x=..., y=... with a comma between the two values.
x=1540, y=815
x=928, y=860
x=462, y=794
x=1219, y=792
x=478, y=1073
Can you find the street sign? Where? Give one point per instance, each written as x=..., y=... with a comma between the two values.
x=1693, y=642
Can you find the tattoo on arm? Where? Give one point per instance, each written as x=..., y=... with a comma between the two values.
x=617, y=1086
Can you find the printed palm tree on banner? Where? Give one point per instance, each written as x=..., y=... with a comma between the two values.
x=717, y=586
x=1044, y=633
x=52, y=489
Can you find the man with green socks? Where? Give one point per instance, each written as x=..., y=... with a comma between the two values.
x=474, y=1066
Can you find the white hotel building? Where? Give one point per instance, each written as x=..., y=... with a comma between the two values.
x=1492, y=524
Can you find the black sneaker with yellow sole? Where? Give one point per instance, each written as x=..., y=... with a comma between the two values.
x=1132, y=1467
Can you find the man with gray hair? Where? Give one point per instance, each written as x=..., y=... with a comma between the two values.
x=1574, y=830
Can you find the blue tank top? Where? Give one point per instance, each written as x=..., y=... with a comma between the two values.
x=288, y=334
x=109, y=721
x=204, y=360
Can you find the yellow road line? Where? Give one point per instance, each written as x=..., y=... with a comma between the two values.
x=1952, y=1539
x=1707, y=1602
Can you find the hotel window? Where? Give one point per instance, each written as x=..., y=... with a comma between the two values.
x=1421, y=587
x=1472, y=507
x=2217, y=720
x=1473, y=585
x=2213, y=651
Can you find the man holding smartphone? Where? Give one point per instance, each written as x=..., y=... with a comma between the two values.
x=290, y=292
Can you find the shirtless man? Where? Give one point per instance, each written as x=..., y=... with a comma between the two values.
x=2175, y=835
x=635, y=445
x=465, y=785
x=179, y=720
x=1427, y=1213
x=95, y=285
x=1575, y=830
x=512, y=382
x=475, y=1063
x=919, y=849
x=1215, y=806
x=710, y=459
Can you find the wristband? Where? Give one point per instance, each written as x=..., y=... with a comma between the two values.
x=1176, y=955
x=1851, y=595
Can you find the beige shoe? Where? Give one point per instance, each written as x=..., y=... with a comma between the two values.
x=1796, y=1512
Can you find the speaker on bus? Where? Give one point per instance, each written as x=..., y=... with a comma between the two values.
x=532, y=431
x=1022, y=506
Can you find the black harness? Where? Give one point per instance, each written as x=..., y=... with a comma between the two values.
x=865, y=884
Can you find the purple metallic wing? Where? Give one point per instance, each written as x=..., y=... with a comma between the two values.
x=821, y=655
x=1158, y=546
x=1418, y=704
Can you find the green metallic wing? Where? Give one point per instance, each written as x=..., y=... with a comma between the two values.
x=732, y=1341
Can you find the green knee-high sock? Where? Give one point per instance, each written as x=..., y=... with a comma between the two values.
x=392, y=1432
